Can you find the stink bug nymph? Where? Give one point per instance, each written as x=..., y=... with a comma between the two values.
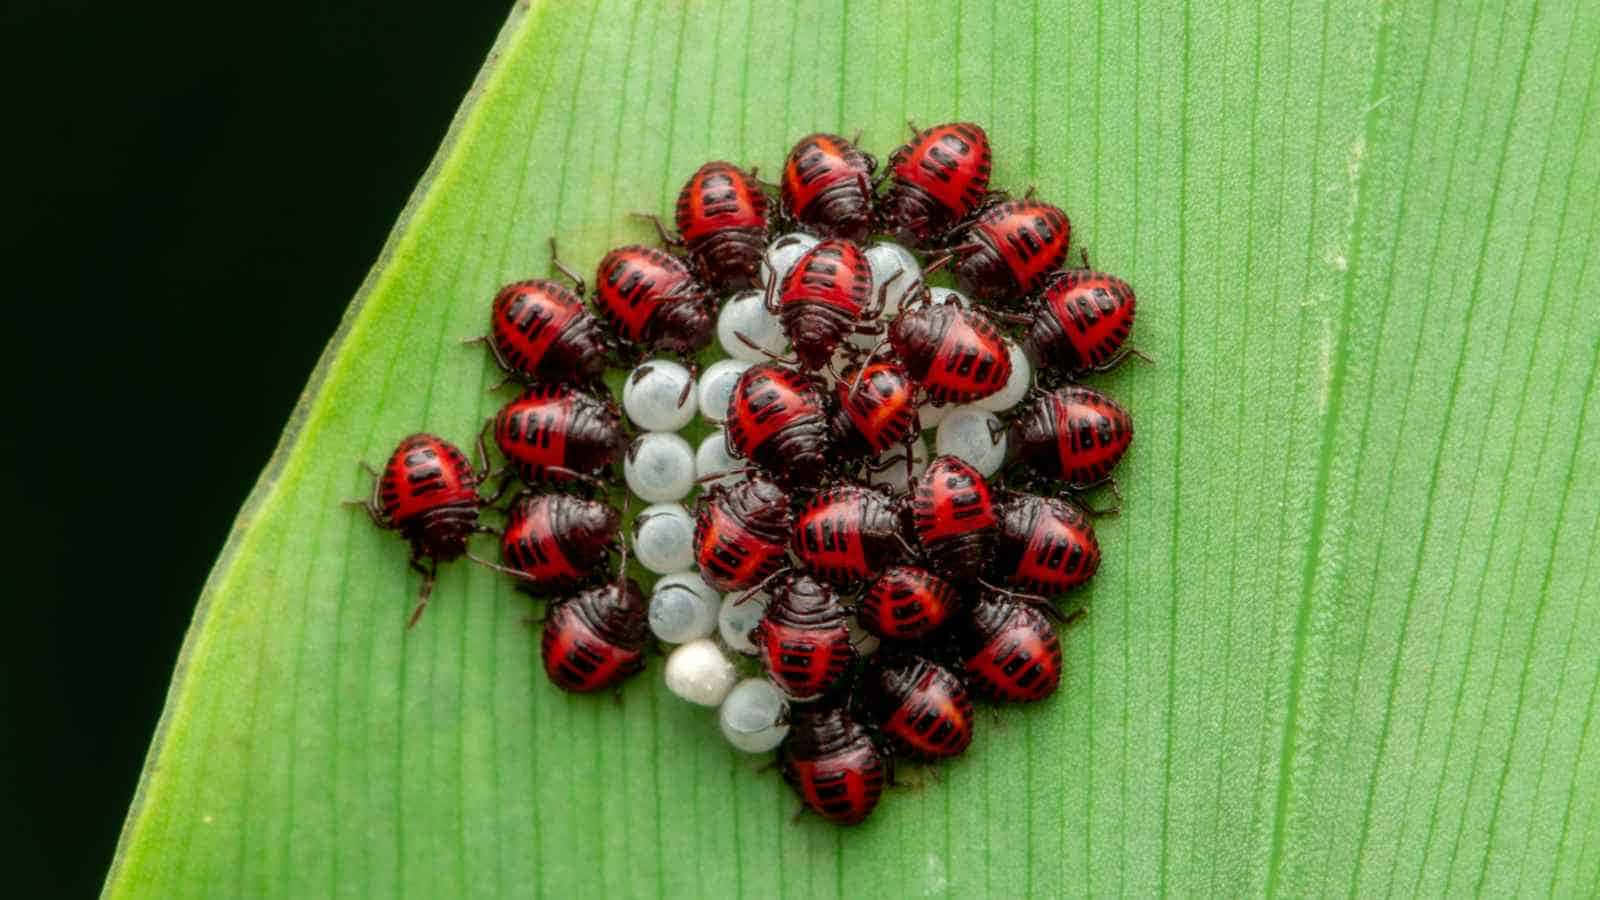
x=555, y=433
x=595, y=639
x=428, y=492
x=906, y=603
x=953, y=516
x=653, y=301
x=1044, y=545
x=877, y=409
x=827, y=185
x=540, y=330
x=824, y=299
x=956, y=354
x=1010, y=248
x=1009, y=650
x=741, y=533
x=558, y=541
x=848, y=533
x=803, y=638
x=1079, y=322
x=778, y=419
x=920, y=705
x=722, y=218
x=832, y=762
x=1076, y=434
x=937, y=179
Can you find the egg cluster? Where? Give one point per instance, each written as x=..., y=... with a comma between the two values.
x=835, y=593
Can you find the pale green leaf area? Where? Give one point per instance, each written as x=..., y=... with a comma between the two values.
x=1346, y=639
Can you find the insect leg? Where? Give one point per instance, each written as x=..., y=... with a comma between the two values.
x=430, y=576
x=374, y=510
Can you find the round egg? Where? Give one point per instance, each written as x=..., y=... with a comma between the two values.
x=711, y=458
x=735, y=620
x=692, y=580
x=753, y=717
x=681, y=611
x=716, y=387
x=659, y=467
x=975, y=435
x=746, y=313
x=895, y=475
x=887, y=260
x=930, y=415
x=663, y=538
x=699, y=673
x=659, y=396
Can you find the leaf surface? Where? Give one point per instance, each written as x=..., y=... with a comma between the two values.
x=1347, y=635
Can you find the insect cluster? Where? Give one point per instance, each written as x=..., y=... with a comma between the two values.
x=840, y=597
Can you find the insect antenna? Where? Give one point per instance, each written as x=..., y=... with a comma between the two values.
x=503, y=570
x=745, y=339
x=1118, y=358
x=1037, y=601
x=856, y=382
x=577, y=280
x=883, y=295
x=731, y=473
x=666, y=237
x=763, y=585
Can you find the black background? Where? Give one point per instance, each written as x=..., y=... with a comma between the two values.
x=200, y=189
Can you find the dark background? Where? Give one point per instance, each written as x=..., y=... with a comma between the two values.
x=201, y=189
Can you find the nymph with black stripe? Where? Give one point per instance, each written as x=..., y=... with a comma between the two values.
x=428, y=492
x=540, y=330
x=833, y=763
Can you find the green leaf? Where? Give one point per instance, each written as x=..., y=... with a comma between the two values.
x=1347, y=634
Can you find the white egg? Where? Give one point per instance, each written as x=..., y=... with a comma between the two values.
x=946, y=295
x=712, y=458
x=699, y=673
x=663, y=538
x=692, y=580
x=746, y=314
x=754, y=717
x=892, y=261
x=716, y=387
x=683, y=608
x=973, y=434
x=895, y=475
x=1016, y=386
x=735, y=621
x=654, y=397
x=659, y=467
x=782, y=254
